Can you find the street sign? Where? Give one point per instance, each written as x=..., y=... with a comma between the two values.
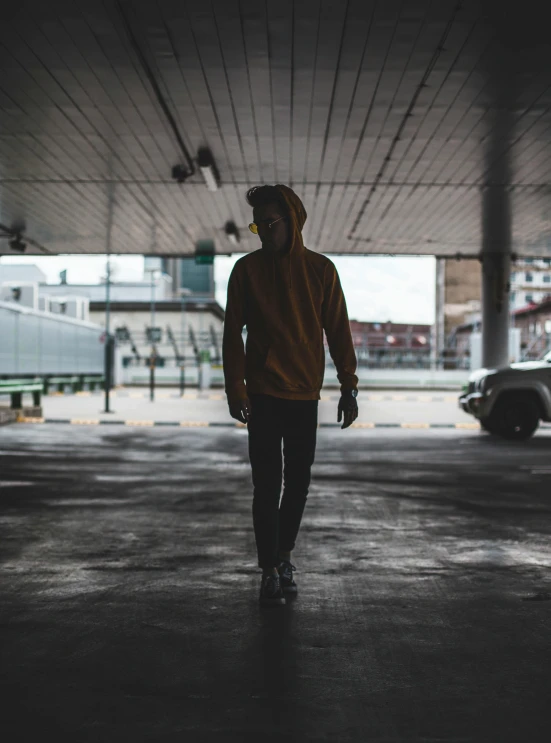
x=204, y=252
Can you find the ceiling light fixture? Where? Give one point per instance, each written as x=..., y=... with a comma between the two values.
x=208, y=168
x=232, y=232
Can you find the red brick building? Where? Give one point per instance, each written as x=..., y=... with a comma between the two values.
x=391, y=345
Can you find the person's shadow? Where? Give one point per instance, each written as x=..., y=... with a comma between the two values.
x=273, y=665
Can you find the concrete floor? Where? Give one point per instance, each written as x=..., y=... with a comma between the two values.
x=129, y=589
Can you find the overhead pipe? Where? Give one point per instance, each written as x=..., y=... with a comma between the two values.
x=178, y=171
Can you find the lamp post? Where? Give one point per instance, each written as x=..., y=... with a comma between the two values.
x=109, y=342
x=182, y=360
x=204, y=353
x=153, y=354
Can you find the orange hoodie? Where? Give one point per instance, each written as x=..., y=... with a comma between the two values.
x=286, y=301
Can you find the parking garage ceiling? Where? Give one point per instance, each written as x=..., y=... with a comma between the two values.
x=390, y=119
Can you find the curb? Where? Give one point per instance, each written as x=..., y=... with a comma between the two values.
x=205, y=424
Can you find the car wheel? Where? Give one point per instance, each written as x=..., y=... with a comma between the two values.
x=489, y=425
x=516, y=417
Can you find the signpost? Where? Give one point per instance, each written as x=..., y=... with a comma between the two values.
x=182, y=360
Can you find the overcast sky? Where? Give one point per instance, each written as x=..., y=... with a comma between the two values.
x=376, y=288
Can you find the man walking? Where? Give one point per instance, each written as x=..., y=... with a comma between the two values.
x=286, y=296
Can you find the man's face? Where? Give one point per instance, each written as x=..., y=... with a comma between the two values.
x=274, y=239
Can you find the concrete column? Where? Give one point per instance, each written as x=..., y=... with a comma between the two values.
x=497, y=179
x=496, y=271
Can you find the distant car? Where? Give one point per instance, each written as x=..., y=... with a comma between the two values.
x=510, y=402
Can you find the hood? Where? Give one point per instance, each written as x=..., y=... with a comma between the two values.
x=297, y=216
x=530, y=365
x=478, y=374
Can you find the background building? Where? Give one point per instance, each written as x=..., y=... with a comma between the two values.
x=530, y=282
x=533, y=322
x=458, y=310
x=184, y=273
x=145, y=316
x=462, y=291
x=391, y=345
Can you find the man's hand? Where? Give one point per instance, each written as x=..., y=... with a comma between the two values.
x=348, y=406
x=241, y=410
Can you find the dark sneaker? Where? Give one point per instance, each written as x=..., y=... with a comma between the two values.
x=285, y=571
x=271, y=593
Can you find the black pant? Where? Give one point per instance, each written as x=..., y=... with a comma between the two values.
x=295, y=423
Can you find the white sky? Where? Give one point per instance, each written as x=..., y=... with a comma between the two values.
x=377, y=288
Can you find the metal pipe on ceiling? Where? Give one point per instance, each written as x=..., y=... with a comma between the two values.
x=158, y=94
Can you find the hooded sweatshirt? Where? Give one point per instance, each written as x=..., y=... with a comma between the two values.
x=286, y=301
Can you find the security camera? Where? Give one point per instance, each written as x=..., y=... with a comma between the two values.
x=179, y=173
x=17, y=244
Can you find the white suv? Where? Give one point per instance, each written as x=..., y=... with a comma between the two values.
x=510, y=402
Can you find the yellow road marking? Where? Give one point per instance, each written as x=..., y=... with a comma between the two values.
x=362, y=425
x=139, y=423
x=193, y=424
x=137, y=394
x=468, y=425
x=85, y=421
x=29, y=419
x=83, y=393
x=414, y=425
x=398, y=397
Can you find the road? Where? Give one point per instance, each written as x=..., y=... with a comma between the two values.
x=129, y=589
x=409, y=408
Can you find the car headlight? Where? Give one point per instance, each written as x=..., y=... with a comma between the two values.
x=486, y=384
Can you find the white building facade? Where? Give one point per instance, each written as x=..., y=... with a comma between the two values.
x=530, y=282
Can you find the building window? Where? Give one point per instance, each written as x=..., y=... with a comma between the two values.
x=546, y=278
x=528, y=277
x=529, y=298
x=154, y=335
x=529, y=260
x=512, y=296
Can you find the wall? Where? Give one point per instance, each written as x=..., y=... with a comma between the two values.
x=34, y=343
x=119, y=292
x=462, y=291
